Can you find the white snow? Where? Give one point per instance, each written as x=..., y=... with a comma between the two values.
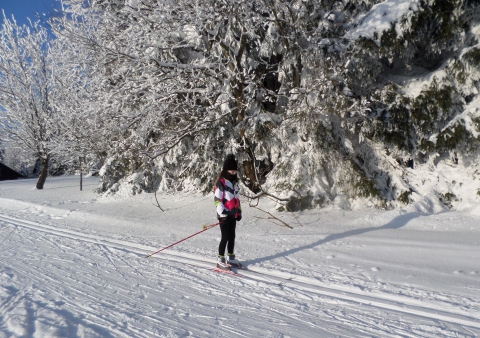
x=380, y=17
x=73, y=264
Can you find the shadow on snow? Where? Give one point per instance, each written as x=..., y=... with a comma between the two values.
x=396, y=223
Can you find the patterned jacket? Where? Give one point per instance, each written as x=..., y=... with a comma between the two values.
x=227, y=198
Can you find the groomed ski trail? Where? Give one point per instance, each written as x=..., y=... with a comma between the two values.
x=310, y=304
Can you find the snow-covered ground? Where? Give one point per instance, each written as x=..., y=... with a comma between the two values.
x=73, y=264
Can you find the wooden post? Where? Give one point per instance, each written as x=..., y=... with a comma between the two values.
x=81, y=173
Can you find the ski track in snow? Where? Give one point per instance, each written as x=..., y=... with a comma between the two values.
x=64, y=283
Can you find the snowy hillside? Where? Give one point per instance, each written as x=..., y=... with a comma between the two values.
x=73, y=264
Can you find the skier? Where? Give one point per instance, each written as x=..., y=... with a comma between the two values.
x=227, y=202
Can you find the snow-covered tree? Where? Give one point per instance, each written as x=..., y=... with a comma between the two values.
x=28, y=113
x=305, y=93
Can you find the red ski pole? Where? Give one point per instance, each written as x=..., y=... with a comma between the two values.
x=205, y=228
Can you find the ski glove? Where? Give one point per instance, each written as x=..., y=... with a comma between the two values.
x=239, y=218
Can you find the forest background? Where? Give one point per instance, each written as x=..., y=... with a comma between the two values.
x=357, y=103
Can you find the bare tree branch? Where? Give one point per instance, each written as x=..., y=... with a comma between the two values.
x=272, y=217
x=158, y=204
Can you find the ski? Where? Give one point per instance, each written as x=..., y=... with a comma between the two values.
x=234, y=271
x=227, y=271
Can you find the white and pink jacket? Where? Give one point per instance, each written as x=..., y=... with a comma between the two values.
x=227, y=198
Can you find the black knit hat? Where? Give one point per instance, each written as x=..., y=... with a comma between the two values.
x=230, y=163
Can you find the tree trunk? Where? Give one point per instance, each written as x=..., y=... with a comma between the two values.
x=248, y=166
x=44, y=173
x=81, y=179
x=252, y=182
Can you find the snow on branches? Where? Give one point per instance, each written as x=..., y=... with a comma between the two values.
x=307, y=94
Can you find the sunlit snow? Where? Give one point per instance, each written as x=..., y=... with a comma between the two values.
x=73, y=264
x=380, y=18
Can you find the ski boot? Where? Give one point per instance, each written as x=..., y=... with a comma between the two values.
x=233, y=262
x=222, y=264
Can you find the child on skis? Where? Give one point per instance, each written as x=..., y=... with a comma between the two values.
x=227, y=202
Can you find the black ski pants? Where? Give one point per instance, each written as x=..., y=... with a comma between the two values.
x=228, y=236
